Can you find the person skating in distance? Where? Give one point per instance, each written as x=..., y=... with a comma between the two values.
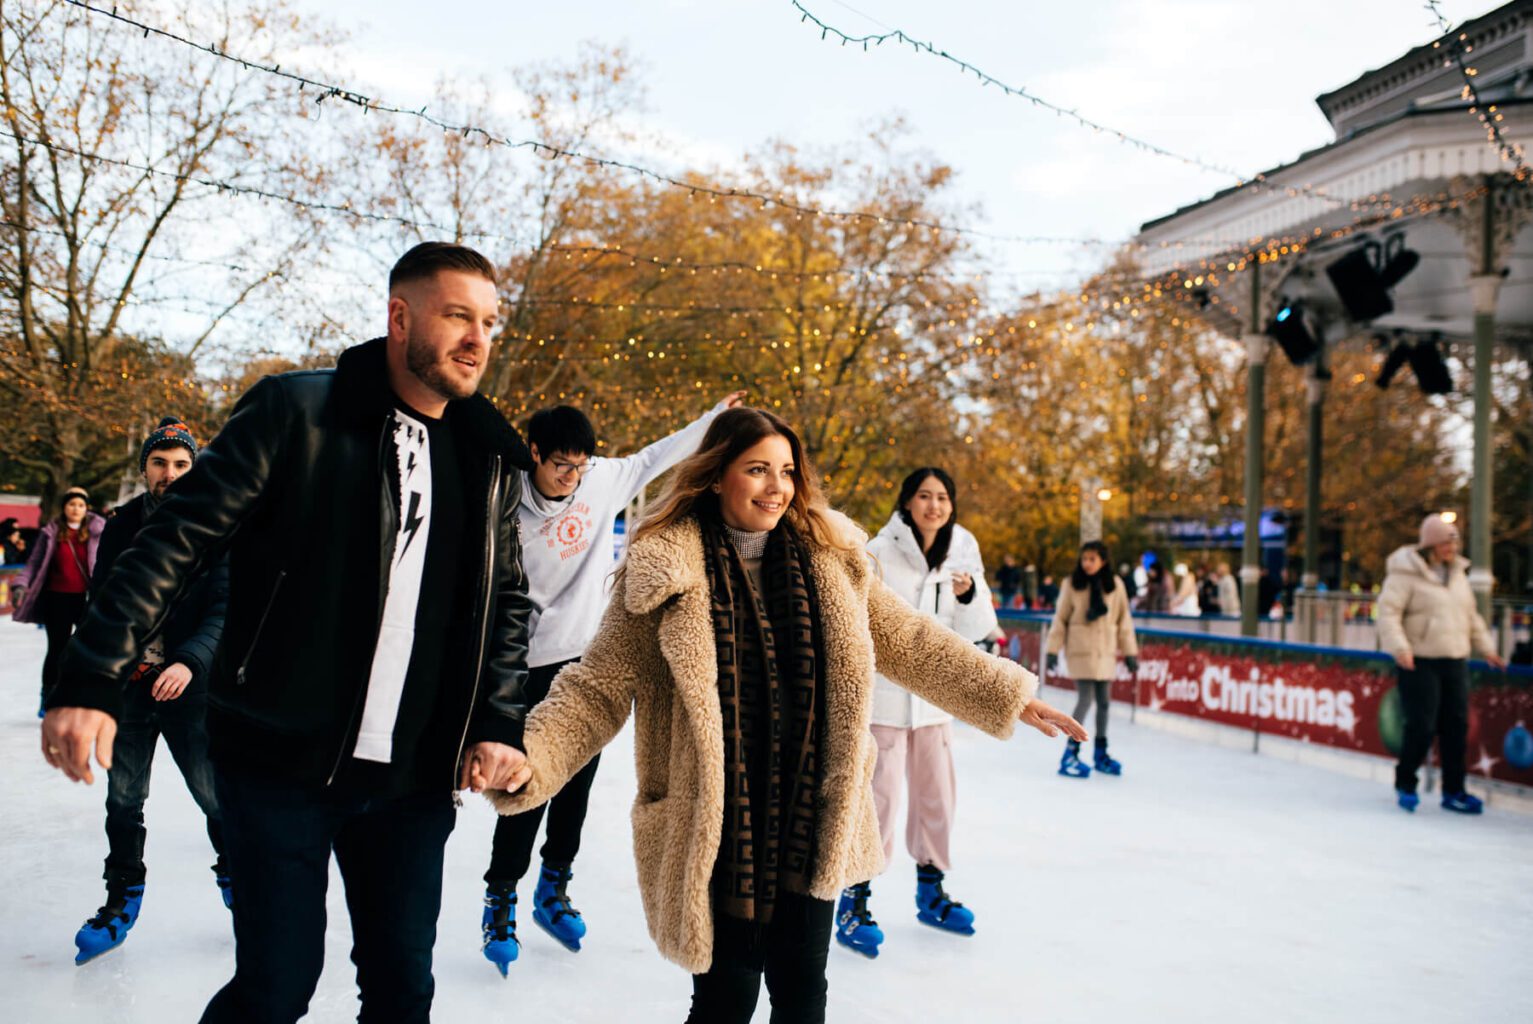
x=1093, y=626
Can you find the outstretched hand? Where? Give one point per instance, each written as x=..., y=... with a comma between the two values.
x=733, y=400
x=494, y=766
x=71, y=735
x=1050, y=720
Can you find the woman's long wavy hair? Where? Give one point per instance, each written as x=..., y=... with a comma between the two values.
x=733, y=432
x=943, y=542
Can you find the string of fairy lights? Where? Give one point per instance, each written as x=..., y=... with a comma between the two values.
x=1459, y=48
x=1257, y=182
x=1175, y=285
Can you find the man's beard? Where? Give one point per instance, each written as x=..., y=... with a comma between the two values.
x=421, y=360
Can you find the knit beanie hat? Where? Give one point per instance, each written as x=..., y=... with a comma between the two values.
x=170, y=433
x=1436, y=530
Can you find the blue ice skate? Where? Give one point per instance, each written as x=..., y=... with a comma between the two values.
x=107, y=930
x=855, y=927
x=934, y=907
x=1070, y=765
x=1407, y=800
x=498, y=927
x=553, y=911
x=1463, y=803
x=1104, y=763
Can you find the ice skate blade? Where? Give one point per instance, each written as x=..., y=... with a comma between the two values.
x=945, y=928
x=870, y=954
x=82, y=958
x=1074, y=775
x=572, y=945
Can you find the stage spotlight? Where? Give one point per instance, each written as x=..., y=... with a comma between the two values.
x=1426, y=361
x=1431, y=371
x=1363, y=277
x=1292, y=334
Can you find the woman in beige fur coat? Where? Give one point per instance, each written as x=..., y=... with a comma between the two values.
x=743, y=632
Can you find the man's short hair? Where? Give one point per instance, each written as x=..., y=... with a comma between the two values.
x=429, y=257
x=562, y=428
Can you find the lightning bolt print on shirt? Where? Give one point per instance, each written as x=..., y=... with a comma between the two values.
x=396, y=636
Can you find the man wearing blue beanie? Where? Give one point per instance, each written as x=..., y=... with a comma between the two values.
x=165, y=694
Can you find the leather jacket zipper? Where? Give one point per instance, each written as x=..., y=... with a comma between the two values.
x=271, y=602
x=484, y=624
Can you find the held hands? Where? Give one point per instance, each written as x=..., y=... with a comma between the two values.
x=1050, y=721
x=733, y=400
x=172, y=682
x=68, y=736
x=494, y=766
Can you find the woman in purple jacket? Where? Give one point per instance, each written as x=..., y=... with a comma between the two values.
x=51, y=589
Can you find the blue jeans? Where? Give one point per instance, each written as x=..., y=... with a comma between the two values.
x=183, y=723
x=280, y=836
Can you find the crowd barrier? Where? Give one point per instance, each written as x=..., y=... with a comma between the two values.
x=1345, y=699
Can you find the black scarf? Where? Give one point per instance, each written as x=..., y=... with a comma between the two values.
x=772, y=703
x=1098, y=604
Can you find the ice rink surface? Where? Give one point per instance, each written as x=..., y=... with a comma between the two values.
x=1205, y=885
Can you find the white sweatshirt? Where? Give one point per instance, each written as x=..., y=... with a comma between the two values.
x=567, y=542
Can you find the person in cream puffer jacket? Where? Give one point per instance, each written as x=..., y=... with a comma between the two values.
x=934, y=565
x=1429, y=624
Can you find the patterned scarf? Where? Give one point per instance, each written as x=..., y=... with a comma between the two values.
x=769, y=690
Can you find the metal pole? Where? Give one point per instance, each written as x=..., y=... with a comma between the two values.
x=1485, y=289
x=1256, y=425
x=1310, y=582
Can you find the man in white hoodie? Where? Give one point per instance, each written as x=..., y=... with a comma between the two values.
x=570, y=502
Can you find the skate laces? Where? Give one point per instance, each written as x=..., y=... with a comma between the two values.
x=860, y=912
x=940, y=898
x=559, y=902
x=116, y=908
x=500, y=927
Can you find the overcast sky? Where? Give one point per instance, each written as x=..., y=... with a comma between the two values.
x=1229, y=82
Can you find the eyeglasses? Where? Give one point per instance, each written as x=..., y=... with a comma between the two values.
x=566, y=468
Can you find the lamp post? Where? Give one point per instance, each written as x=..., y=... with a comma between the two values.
x=1093, y=497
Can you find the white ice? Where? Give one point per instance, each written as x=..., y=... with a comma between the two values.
x=1206, y=884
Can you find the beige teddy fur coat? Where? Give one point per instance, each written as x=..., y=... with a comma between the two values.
x=655, y=654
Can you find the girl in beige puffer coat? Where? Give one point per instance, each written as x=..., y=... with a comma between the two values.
x=1092, y=625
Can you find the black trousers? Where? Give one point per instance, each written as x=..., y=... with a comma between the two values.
x=515, y=834
x=280, y=836
x=61, y=613
x=1435, y=698
x=790, y=952
x=183, y=723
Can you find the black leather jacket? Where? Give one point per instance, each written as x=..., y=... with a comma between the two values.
x=196, y=621
x=294, y=490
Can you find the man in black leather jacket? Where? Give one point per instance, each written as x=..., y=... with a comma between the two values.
x=375, y=641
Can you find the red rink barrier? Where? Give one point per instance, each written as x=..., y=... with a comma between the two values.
x=1324, y=695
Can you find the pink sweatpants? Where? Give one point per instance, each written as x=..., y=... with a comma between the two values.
x=922, y=759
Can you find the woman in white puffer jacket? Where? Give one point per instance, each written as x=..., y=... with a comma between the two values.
x=925, y=557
